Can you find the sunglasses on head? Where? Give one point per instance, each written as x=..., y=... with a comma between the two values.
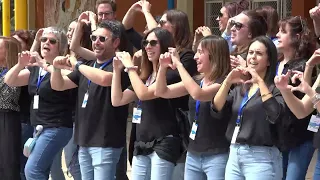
x=51, y=40
x=152, y=43
x=101, y=38
x=237, y=25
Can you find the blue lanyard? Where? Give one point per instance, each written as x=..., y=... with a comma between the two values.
x=3, y=72
x=101, y=67
x=242, y=105
x=149, y=79
x=197, y=106
x=40, y=78
x=277, y=68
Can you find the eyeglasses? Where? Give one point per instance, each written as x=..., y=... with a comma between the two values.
x=220, y=15
x=101, y=38
x=237, y=25
x=151, y=42
x=51, y=40
x=109, y=13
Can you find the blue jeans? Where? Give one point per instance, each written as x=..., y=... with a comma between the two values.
x=297, y=160
x=48, y=145
x=56, y=168
x=97, y=163
x=71, y=159
x=253, y=162
x=26, y=133
x=202, y=166
x=178, y=171
x=316, y=174
x=151, y=167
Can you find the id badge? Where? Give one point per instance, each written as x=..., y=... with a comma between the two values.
x=314, y=123
x=193, y=131
x=235, y=134
x=136, y=115
x=85, y=100
x=36, y=102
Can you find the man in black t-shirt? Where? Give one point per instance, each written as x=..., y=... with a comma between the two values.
x=100, y=128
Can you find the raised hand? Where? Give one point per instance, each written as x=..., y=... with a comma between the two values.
x=206, y=31
x=39, y=34
x=25, y=59
x=303, y=86
x=252, y=76
x=282, y=81
x=237, y=61
x=84, y=17
x=146, y=6
x=125, y=58
x=62, y=62
x=237, y=75
x=314, y=59
x=315, y=13
x=165, y=60
x=37, y=60
x=117, y=64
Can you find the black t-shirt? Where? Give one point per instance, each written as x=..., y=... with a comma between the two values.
x=210, y=136
x=99, y=124
x=55, y=107
x=134, y=37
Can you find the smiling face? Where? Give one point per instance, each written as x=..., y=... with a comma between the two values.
x=223, y=19
x=239, y=32
x=105, y=12
x=71, y=28
x=49, y=46
x=257, y=57
x=202, y=59
x=152, y=47
x=165, y=24
x=102, y=44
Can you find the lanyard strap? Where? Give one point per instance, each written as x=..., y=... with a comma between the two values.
x=277, y=68
x=40, y=78
x=4, y=72
x=242, y=105
x=197, y=106
x=148, y=83
x=101, y=67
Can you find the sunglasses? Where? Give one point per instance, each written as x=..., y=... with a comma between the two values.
x=51, y=40
x=237, y=25
x=162, y=22
x=220, y=15
x=101, y=38
x=152, y=43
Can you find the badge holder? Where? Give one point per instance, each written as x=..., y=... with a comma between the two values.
x=136, y=115
x=193, y=130
x=314, y=123
x=31, y=142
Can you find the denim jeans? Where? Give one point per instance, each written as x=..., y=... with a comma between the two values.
x=178, y=171
x=26, y=133
x=253, y=163
x=151, y=167
x=56, y=168
x=71, y=159
x=297, y=160
x=316, y=174
x=48, y=145
x=97, y=163
x=203, y=166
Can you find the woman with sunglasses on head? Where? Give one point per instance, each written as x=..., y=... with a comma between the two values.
x=157, y=145
x=50, y=109
x=10, y=126
x=208, y=149
x=254, y=110
x=296, y=45
x=245, y=27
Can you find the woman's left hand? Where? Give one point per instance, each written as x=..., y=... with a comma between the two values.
x=125, y=58
x=303, y=87
x=174, y=57
x=255, y=78
x=38, y=61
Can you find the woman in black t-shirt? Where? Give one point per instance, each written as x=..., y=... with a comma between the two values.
x=157, y=145
x=208, y=149
x=49, y=108
x=254, y=111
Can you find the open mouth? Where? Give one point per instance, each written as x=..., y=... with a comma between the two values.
x=46, y=49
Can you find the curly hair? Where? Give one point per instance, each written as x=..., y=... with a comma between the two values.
x=303, y=44
x=26, y=36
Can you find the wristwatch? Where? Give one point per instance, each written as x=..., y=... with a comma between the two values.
x=76, y=67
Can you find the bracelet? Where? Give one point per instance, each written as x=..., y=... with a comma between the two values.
x=127, y=69
x=263, y=95
x=56, y=69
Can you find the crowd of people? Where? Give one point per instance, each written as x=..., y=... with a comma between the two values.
x=243, y=105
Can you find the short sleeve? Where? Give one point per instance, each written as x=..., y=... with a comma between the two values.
x=74, y=77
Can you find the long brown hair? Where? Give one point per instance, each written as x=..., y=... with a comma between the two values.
x=219, y=56
x=13, y=48
x=165, y=40
x=182, y=35
x=303, y=44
